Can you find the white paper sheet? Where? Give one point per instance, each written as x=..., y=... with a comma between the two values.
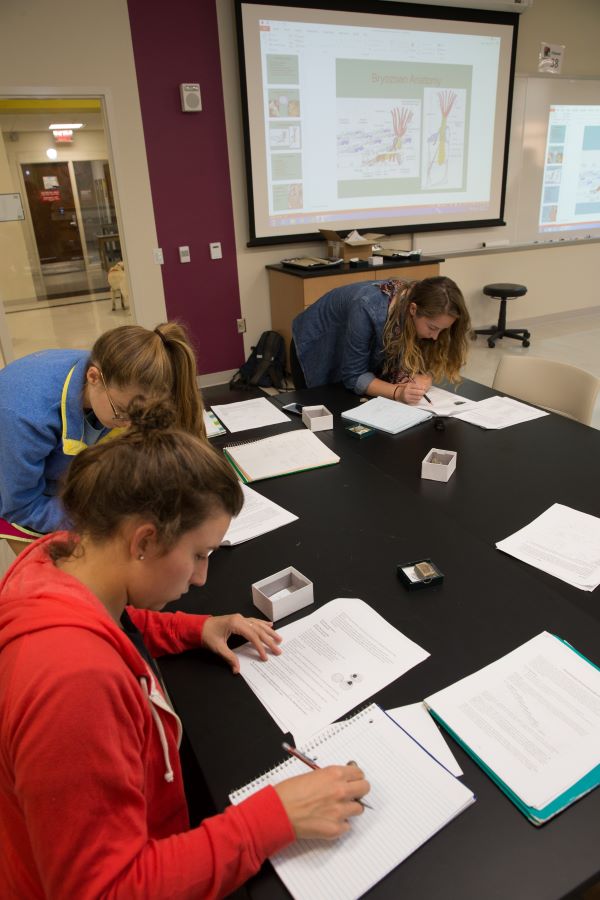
x=258, y=516
x=415, y=719
x=533, y=717
x=500, y=412
x=332, y=660
x=445, y=403
x=386, y=415
x=245, y=414
x=563, y=542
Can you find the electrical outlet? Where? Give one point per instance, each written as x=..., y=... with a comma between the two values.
x=241, y=326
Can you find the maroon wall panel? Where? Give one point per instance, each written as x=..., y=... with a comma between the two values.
x=173, y=43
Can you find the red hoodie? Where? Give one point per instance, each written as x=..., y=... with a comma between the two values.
x=91, y=794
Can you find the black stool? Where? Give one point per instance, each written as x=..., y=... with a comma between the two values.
x=504, y=292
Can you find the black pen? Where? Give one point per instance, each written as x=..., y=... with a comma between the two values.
x=427, y=398
x=312, y=765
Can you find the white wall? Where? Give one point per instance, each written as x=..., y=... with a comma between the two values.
x=84, y=49
x=558, y=279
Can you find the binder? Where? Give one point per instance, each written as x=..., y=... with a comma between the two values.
x=412, y=797
x=548, y=709
x=281, y=454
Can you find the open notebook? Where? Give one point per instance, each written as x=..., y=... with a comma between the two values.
x=281, y=454
x=412, y=796
x=386, y=415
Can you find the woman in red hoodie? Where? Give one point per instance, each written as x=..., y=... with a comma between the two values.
x=91, y=793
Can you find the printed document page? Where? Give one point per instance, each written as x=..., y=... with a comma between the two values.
x=332, y=660
x=563, y=542
x=500, y=412
x=247, y=414
x=532, y=717
x=212, y=424
x=258, y=516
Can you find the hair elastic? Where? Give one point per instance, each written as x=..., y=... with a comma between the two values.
x=162, y=337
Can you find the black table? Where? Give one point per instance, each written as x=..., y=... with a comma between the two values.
x=357, y=521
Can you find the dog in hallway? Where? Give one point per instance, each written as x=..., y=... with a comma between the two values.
x=117, y=280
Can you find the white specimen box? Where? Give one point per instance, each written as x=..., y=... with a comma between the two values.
x=283, y=593
x=439, y=465
x=317, y=418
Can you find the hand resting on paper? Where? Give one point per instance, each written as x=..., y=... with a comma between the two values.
x=415, y=389
x=320, y=803
x=218, y=629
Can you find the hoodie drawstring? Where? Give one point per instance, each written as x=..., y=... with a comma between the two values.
x=168, y=776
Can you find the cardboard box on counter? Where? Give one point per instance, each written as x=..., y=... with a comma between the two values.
x=353, y=246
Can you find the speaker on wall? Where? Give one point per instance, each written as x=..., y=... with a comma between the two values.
x=190, y=97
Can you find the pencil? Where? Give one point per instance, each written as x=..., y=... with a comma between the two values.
x=312, y=765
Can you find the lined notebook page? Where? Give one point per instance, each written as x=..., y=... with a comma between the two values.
x=282, y=454
x=412, y=797
x=386, y=415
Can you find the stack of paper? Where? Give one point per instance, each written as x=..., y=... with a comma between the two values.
x=563, y=542
x=445, y=403
x=531, y=720
x=258, y=516
x=245, y=414
x=500, y=412
x=212, y=424
x=333, y=660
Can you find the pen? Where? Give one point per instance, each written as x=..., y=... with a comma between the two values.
x=312, y=765
x=427, y=398
x=410, y=378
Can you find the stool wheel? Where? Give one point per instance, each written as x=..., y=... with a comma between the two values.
x=526, y=343
x=491, y=343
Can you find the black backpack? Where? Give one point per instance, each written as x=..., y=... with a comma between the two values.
x=265, y=367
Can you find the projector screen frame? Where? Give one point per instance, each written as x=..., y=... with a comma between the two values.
x=390, y=9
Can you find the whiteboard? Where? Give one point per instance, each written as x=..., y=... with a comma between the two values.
x=533, y=96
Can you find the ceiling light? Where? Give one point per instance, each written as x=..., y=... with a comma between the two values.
x=51, y=153
x=58, y=126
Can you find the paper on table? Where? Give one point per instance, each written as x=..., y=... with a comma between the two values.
x=532, y=717
x=258, y=516
x=445, y=403
x=415, y=719
x=332, y=660
x=386, y=415
x=500, y=412
x=563, y=542
x=212, y=424
x=245, y=414
x=412, y=798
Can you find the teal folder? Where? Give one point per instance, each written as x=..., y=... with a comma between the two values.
x=537, y=816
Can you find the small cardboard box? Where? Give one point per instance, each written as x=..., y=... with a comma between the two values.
x=317, y=418
x=439, y=465
x=282, y=594
x=354, y=246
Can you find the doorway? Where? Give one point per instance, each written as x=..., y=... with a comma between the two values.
x=55, y=259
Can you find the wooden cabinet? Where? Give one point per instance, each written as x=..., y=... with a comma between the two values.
x=292, y=290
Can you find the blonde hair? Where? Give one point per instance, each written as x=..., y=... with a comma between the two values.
x=159, y=362
x=165, y=475
x=405, y=353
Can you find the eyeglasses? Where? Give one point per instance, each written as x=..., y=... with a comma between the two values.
x=117, y=415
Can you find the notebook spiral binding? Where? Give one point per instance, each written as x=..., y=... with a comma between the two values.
x=272, y=774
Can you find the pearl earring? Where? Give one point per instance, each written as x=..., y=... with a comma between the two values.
x=141, y=556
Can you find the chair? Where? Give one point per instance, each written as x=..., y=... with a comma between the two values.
x=555, y=386
x=504, y=292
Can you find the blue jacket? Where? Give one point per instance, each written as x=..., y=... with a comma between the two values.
x=41, y=429
x=340, y=337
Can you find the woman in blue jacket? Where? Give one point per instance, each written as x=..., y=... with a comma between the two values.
x=55, y=403
x=383, y=338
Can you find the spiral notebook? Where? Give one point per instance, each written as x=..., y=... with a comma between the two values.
x=412, y=795
x=281, y=454
x=386, y=415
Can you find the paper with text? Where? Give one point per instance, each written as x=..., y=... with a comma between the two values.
x=563, y=542
x=332, y=660
x=245, y=414
x=412, y=797
x=212, y=424
x=532, y=717
x=500, y=412
x=445, y=403
x=258, y=516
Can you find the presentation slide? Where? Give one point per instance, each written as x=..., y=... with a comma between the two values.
x=360, y=123
x=570, y=197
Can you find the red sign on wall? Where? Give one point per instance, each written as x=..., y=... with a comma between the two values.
x=50, y=196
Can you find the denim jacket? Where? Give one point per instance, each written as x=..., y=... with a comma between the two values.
x=340, y=337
